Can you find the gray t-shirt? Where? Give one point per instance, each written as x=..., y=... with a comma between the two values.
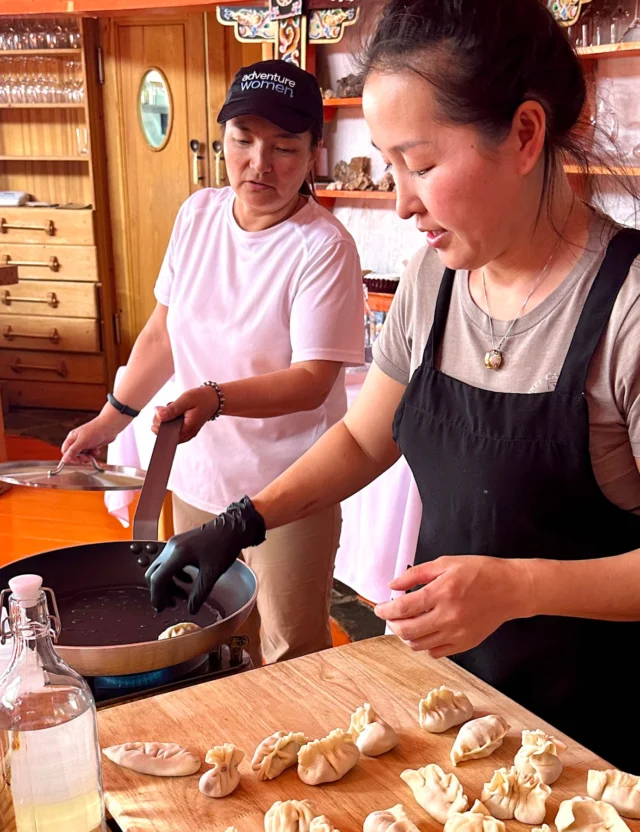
x=534, y=352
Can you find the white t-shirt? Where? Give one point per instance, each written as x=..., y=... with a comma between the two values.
x=245, y=303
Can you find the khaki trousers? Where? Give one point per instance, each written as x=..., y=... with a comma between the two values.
x=294, y=567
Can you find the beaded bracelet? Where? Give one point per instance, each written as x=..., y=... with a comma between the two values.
x=221, y=399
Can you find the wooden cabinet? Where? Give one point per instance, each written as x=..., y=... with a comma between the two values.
x=57, y=328
x=51, y=262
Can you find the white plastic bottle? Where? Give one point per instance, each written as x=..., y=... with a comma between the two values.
x=50, y=774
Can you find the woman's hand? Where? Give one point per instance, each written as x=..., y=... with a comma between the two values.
x=198, y=405
x=464, y=600
x=84, y=442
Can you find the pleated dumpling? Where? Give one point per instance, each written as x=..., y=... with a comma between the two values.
x=583, y=814
x=321, y=824
x=618, y=788
x=160, y=759
x=477, y=819
x=512, y=795
x=277, y=753
x=442, y=708
x=371, y=734
x=224, y=777
x=479, y=738
x=439, y=794
x=389, y=820
x=500, y=794
x=328, y=759
x=182, y=629
x=290, y=816
x=540, y=755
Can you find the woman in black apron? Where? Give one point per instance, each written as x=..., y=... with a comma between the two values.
x=525, y=571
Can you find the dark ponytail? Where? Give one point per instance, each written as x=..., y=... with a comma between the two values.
x=484, y=58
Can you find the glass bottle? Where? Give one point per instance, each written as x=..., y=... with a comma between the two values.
x=50, y=773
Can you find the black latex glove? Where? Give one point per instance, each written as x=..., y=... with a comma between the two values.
x=212, y=548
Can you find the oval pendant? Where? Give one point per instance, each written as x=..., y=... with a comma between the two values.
x=493, y=360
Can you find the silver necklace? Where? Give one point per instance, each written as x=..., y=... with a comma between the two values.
x=494, y=358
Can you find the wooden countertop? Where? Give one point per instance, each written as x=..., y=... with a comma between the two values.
x=314, y=694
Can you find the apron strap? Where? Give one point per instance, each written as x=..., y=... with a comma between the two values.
x=439, y=319
x=622, y=250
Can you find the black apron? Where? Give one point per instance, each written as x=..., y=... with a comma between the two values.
x=510, y=475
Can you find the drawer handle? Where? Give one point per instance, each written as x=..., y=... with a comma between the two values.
x=53, y=263
x=48, y=228
x=51, y=299
x=60, y=369
x=10, y=334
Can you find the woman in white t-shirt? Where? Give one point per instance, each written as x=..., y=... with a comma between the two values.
x=259, y=308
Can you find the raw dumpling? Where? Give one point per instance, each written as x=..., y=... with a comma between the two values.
x=161, y=759
x=290, y=816
x=439, y=794
x=618, y=788
x=477, y=819
x=544, y=828
x=322, y=824
x=182, y=629
x=583, y=814
x=276, y=753
x=479, y=738
x=500, y=794
x=389, y=820
x=328, y=759
x=224, y=777
x=372, y=735
x=442, y=708
x=512, y=795
x=539, y=755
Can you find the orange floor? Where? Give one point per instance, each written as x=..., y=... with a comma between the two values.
x=34, y=520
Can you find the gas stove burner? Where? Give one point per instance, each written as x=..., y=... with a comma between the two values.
x=229, y=659
x=153, y=679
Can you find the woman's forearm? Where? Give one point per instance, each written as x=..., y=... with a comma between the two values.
x=301, y=387
x=332, y=470
x=603, y=588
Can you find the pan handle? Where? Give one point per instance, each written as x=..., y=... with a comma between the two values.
x=154, y=489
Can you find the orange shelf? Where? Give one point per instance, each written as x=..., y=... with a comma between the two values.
x=44, y=158
x=56, y=106
x=609, y=50
x=327, y=194
x=379, y=301
x=600, y=171
x=26, y=53
x=332, y=105
x=342, y=102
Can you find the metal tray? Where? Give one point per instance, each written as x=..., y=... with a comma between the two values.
x=86, y=477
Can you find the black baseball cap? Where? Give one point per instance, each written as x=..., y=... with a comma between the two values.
x=279, y=91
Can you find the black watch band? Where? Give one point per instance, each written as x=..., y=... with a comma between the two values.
x=122, y=408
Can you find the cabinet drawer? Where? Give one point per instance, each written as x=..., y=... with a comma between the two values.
x=46, y=225
x=50, y=262
x=43, y=366
x=60, y=396
x=62, y=334
x=51, y=298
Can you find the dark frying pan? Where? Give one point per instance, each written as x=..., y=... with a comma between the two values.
x=104, y=601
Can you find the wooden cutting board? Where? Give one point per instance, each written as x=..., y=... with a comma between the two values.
x=314, y=694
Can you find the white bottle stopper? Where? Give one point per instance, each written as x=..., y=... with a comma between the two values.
x=26, y=587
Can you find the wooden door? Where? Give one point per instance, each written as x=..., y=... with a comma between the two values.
x=149, y=184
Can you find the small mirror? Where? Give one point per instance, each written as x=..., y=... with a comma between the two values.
x=154, y=108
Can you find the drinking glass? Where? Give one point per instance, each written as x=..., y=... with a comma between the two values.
x=632, y=34
x=5, y=86
x=74, y=34
x=82, y=141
